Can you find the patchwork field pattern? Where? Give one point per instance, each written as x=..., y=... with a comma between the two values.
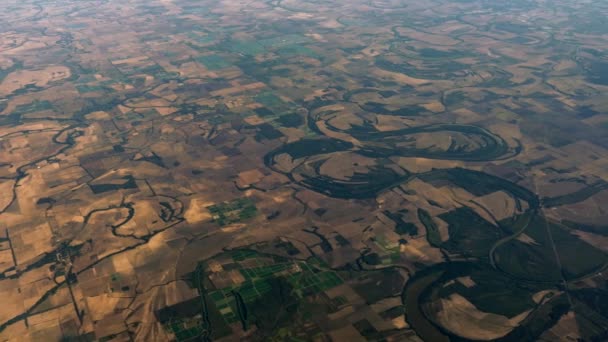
x=281, y=170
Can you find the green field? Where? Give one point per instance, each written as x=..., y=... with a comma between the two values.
x=213, y=62
x=283, y=40
x=260, y=274
x=233, y=211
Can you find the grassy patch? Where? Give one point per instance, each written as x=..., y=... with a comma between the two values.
x=213, y=62
x=290, y=39
x=263, y=277
x=233, y=211
x=32, y=107
x=246, y=48
x=83, y=89
x=296, y=50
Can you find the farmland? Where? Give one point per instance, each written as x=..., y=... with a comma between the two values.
x=384, y=170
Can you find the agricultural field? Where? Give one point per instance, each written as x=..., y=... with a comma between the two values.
x=280, y=170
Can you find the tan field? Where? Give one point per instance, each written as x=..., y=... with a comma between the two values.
x=385, y=170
